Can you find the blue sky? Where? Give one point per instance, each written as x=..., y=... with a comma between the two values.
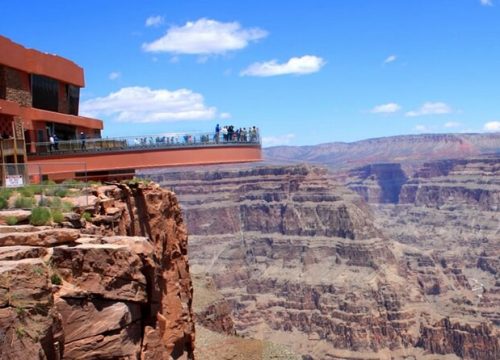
x=304, y=72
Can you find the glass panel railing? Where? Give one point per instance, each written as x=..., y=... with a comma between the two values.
x=131, y=143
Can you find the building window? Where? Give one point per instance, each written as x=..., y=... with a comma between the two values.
x=73, y=99
x=45, y=92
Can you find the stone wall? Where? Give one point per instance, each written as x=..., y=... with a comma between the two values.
x=17, y=86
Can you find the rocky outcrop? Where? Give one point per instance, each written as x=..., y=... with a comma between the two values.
x=470, y=182
x=378, y=183
x=301, y=263
x=469, y=342
x=117, y=288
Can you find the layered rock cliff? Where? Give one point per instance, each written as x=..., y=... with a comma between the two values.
x=406, y=149
x=114, y=287
x=474, y=183
x=301, y=263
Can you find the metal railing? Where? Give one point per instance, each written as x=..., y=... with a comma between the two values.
x=129, y=143
x=11, y=147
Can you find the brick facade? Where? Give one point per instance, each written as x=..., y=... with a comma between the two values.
x=17, y=86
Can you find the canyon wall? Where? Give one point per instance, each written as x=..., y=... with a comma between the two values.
x=410, y=150
x=301, y=262
x=114, y=287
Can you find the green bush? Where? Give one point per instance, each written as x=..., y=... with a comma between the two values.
x=38, y=271
x=73, y=183
x=4, y=203
x=55, y=203
x=20, y=332
x=50, y=190
x=11, y=220
x=55, y=279
x=87, y=216
x=61, y=192
x=57, y=216
x=5, y=193
x=40, y=216
x=26, y=191
x=67, y=206
x=45, y=201
x=20, y=311
x=24, y=202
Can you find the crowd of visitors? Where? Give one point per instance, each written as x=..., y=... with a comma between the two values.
x=230, y=134
x=224, y=134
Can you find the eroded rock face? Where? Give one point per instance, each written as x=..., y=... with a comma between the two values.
x=301, y=262
x=471, y=182
x=119, y=288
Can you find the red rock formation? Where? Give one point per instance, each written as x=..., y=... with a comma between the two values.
x=118, y=288
x=469, y=342
x=301, y=262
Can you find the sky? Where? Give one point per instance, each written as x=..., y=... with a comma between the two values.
x=303, y=72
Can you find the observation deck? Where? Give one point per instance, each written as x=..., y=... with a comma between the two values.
x=112, y=158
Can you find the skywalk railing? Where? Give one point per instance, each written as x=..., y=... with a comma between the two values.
x=131, y=143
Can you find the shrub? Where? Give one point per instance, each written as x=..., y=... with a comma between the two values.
x=38, y=270
x=48, y=182
x=55, y=203
x=5, y=193
x=50, y=190
x=45, y=201
x=57, y=216
x=20, y=311
x=40, y=216
x=11, y=220
x=136, y=181
x=73, y=183
x=26, y=191
x=67, y=206
x=87, y=216
x=55, y=279
x=24, y=202
x=20, y=332
x=4, y=203
x=61, y=191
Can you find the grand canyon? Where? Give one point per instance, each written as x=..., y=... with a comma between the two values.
x=396, y=259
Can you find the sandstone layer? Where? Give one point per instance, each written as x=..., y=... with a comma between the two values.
x=302, y=263
x=114, y=287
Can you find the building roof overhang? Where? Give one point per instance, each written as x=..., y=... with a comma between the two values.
x=35, y=62
x=31, y=115
x=9, y=108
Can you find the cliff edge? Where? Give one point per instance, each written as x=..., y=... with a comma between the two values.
x=116, y=285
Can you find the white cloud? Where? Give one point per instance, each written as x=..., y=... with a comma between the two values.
x=205, y=36
x=277, y=140
x=390, y=59
x=114, y=75
x=225, y=115
x=452, y=124
x=145, y=105
x=492, y=126
x=154, y=21
x=307, y=64
x=486, y=2
x=386, y=108
x=431, y=108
